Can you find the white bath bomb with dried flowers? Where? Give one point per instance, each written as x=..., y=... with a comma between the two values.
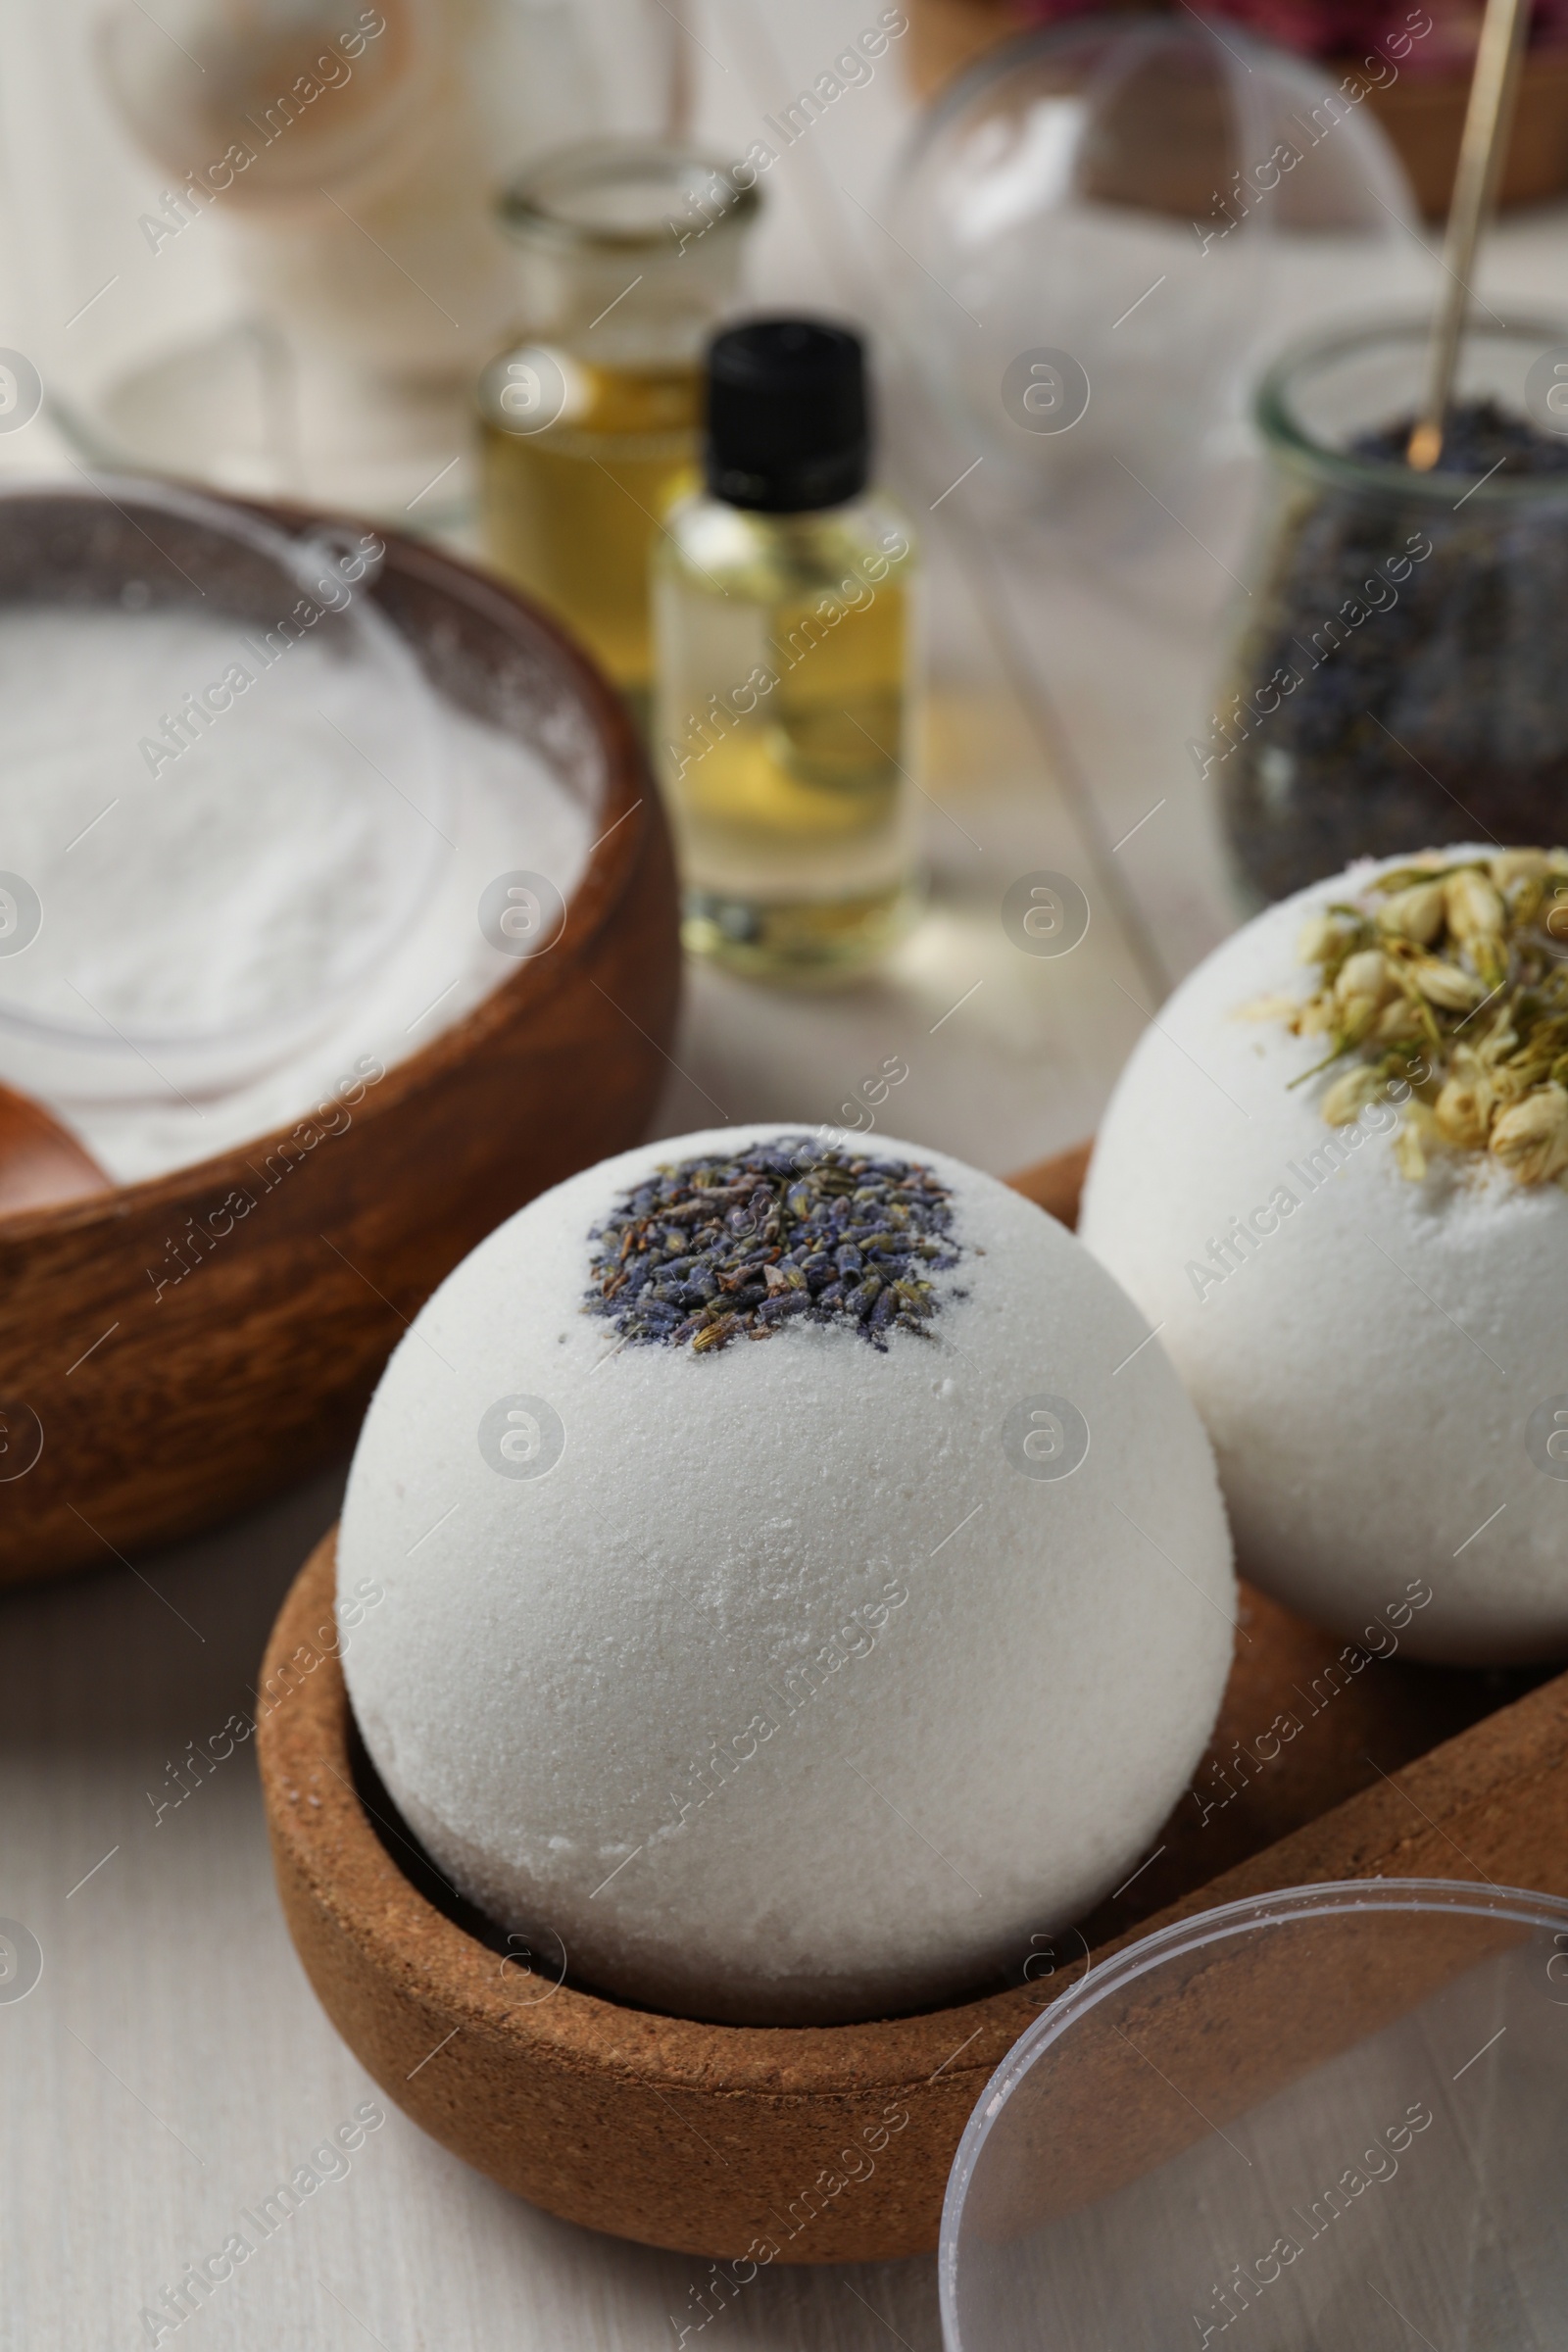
x=1361, y=1280
x=807, y=1669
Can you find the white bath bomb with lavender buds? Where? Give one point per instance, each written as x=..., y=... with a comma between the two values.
x=1382, y=1362
x=808, y=1671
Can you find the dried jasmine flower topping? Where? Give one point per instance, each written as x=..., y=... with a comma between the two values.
x=724, y=1248
x=1452, y=979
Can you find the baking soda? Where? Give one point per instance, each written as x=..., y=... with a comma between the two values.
x=300, y=862
x=240, y=881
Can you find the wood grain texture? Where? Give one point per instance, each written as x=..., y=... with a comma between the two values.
x=320, y=1245
x=41, y=1165
x=834, y=2143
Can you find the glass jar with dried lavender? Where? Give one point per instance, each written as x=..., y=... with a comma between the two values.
x=1401, y=675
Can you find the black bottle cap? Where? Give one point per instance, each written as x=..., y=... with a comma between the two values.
x=789, y=427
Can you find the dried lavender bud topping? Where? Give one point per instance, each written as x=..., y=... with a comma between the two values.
x=723, y=1247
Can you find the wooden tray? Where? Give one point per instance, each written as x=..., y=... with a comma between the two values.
x=833, y=2143
x=160, y=1415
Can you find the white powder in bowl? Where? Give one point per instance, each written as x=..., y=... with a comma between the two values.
x=786, y=1682
x=240, y=884
x=244, y=878
x=1376, y=1359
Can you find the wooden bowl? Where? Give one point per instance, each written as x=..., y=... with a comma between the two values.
x=833, y=2143
x=133, y=1418
x=41, y=1163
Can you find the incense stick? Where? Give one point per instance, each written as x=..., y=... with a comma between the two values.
x=1486, y=123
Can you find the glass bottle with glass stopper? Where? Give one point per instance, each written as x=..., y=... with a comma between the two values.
x=629, y=251
x=784, y=706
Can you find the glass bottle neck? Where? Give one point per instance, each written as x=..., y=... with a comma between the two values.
x=625, y=308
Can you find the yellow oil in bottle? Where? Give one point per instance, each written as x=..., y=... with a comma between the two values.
x=571, y=511
x=783, y=730
x=627, y=252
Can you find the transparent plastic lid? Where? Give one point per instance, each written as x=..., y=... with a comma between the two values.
x=1329, y=2120
x=223, y=794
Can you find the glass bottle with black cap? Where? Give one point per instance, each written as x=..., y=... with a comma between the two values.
x=784, y=712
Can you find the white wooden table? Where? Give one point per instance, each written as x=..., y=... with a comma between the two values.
x=171, y=2066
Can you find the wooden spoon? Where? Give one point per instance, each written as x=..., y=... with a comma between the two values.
x=41, y=1164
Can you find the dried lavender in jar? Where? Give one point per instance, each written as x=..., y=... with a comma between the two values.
x=1403, y=681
